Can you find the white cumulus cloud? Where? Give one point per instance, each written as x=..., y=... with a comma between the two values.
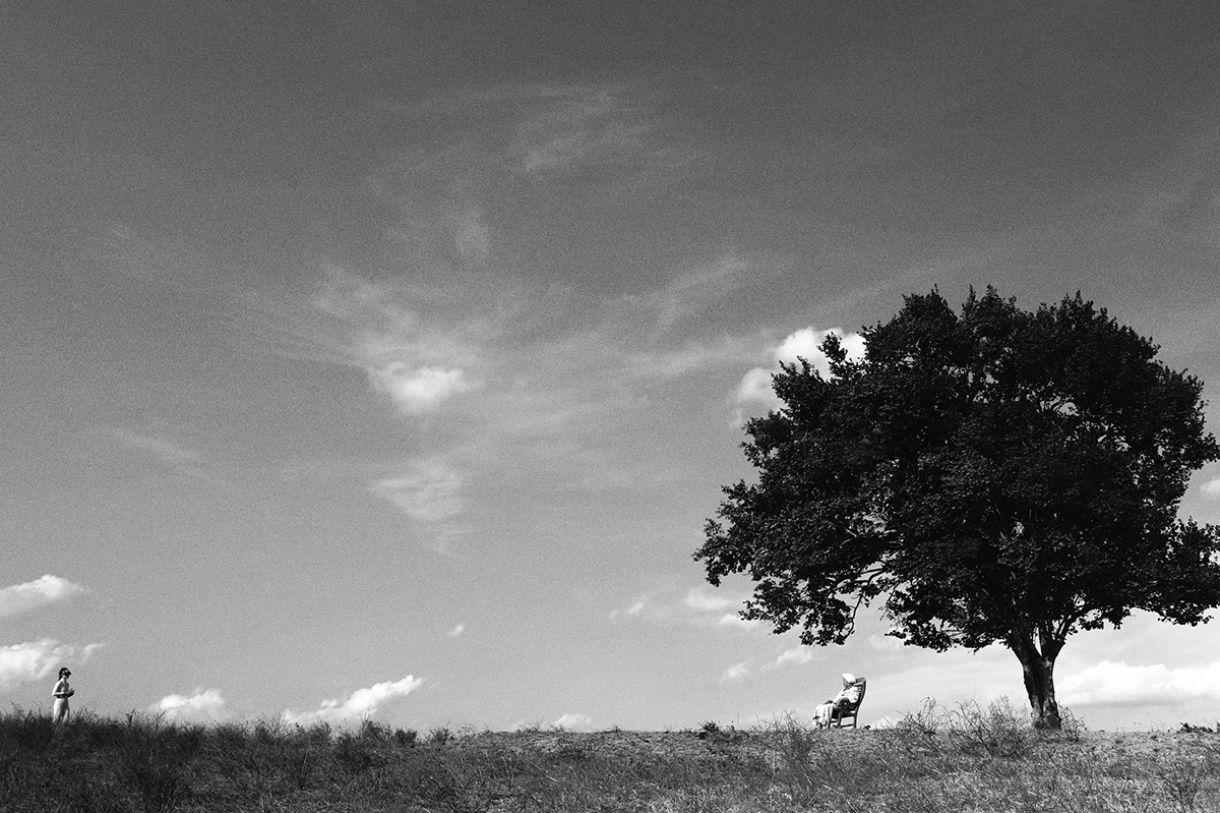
x=805, y=343
x=457, y=630
x=574, y=722
x=738, y=671
x=1119, y=683
x=48, y=589
x=755, y=385
x=418, y=389
x=203, y=706
x=36, y=660
x=1212, y=487
x=362, y=704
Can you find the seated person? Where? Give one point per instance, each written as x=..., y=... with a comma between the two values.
x=846, y=699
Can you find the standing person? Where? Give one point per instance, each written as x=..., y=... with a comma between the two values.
x=847, y=698
x=60, y=712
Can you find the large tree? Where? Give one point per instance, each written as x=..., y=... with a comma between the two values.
x=994, y=476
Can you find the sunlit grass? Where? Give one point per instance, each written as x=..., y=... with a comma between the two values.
x=968, y=759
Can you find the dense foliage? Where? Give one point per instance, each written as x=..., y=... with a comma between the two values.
x=998, y=476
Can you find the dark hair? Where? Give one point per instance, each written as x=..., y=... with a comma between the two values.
x=64, y=671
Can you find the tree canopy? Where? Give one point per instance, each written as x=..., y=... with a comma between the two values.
x=994, y=476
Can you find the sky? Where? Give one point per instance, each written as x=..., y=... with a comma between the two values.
x=384, y=360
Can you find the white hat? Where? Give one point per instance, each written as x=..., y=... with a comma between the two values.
x=848, y=677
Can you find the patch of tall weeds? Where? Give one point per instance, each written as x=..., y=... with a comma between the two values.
x=966, y=759
x=996, y=731
x=155, y=759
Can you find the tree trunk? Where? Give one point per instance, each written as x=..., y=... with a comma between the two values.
x=1039, y=673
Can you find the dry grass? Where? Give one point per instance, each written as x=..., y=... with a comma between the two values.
x=969, y=759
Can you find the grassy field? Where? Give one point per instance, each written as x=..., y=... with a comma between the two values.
x=969, y=759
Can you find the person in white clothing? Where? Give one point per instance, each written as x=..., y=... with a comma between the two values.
x=60, y=712
x=850, y=696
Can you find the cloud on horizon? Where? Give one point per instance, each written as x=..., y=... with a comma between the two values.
x=1121, y=684
x=574, y=722
x=362, y=704
x=36, y=660
x=32, y=595
x=204, y=706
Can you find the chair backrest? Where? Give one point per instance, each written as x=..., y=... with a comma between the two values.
x=850, y=712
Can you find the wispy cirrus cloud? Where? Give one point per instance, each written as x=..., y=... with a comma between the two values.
x=427, y=491
x=735, y=621
x=494, y=369
x=796, y=656
x=430, y=493
x=418, y=363
x=698, y=605
x=362, y=704
x=687, y=295
x=32, y=595
x=155, y=260
x=637, y=607
x=575, y=127
x=1182, y=195
x=204, y=706
x=481, y=385
x=472, y=236
x=541, y=129
x=166, y=452
x=703, y=600
x=36, y=660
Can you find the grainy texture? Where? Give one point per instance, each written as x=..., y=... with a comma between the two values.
x=970, y=761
